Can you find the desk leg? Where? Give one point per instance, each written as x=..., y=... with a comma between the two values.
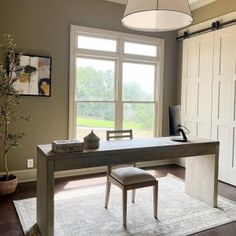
x=201, y=180
x=45, y=195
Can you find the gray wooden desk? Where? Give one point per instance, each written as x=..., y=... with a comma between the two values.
x=201, y=167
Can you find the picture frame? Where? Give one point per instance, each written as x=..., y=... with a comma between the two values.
x=34, y=73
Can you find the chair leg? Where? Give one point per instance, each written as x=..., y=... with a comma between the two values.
x=133, y=195
x=155, y=199
x=133, y=191
x=124, y=193
x=108, y=188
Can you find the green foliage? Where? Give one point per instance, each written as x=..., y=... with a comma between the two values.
x=9, y=98
x=132, y=91
x=98, y=85
x=95, y=84
x=87, y=122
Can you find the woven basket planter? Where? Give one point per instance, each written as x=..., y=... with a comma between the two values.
x=9, y=186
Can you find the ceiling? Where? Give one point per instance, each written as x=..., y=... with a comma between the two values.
x=194, y=4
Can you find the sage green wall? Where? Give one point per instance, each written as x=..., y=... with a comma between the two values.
x=214, y=9
x=42, y=28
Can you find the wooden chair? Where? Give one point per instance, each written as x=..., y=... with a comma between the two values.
x=129, y=178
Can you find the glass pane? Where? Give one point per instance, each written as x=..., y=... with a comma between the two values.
x=96, y=43
x=140, y=118
x=138, y=82
x=140, y=49
x=96, y=116
x=95, y=79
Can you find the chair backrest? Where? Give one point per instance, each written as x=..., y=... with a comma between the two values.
x=119, y=134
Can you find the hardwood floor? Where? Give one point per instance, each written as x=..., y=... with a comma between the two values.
x=10, y=226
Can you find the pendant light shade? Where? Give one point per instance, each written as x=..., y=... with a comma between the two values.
x=157, y=15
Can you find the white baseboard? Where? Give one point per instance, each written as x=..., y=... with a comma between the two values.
x=30, y=174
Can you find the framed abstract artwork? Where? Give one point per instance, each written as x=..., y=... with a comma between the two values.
x=34, y=73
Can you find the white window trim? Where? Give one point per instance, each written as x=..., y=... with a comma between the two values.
x=158, y=101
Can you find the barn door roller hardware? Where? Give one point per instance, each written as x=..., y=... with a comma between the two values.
x=214, y=26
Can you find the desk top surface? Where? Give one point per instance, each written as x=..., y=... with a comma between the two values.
x=126, y=145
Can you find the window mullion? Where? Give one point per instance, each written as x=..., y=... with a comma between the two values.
x=159, y=90
x=94, y=53
x=141, y=59
x=156, y=89
x=119, y=105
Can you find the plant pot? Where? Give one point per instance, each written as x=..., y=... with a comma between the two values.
x=8, y=186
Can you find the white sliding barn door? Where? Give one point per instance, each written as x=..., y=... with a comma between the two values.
x=208, y=103
x=224, y=101
x=196, y=101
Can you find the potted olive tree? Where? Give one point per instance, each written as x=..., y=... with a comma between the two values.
x=9, y=100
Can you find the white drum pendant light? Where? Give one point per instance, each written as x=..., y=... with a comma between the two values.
x=157, y=15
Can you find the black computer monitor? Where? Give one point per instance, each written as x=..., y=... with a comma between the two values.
x=174, y=119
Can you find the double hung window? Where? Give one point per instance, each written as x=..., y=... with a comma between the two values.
x=115, y=83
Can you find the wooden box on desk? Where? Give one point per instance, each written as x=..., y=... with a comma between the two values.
x=63, y=146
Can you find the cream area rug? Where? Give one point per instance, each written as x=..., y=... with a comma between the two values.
x=81, y=212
